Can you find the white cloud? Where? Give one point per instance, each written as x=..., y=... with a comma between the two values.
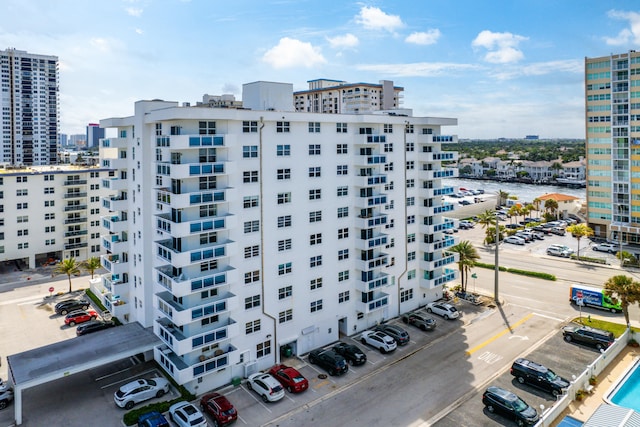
x=417, y=69
x=502, y=47
x=422, y=38
x=139, y=31
x=627, y=35
x=134, y=11
x=292, y=53
x=342, y=42
x=100, y=44
x=572, y=66
x=373, y=18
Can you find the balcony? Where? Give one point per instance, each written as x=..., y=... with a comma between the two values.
x=114, y=265
x=436, y=139
x=71, y=182
x=114, y=283
x=114, y=143
x=189, y=255
x=74, y=208
x=437, y=245
x=75, y=195
x=378, y=281
x=374, y=241
x=185, y=170
x=114, y=243
x=76, y=233
x=77, y=245
x=114, y=224
x=117, y=307
x=181, y=344
x=434, y=174
x=183, y=285
x=369, y=202
x=441, y=278
x=186, y=228
x=369, y=181
x=182, y=314
x=115, y=203
x=183, y=372
x=379, y=301
x=117, y=163
x=377, y=261
x=114, y=184
x=374, y=220
x=439, y=156
x=438, y=263
x=368, y=160
x=79, y=220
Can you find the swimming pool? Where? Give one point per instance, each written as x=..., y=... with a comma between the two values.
x=626, y=392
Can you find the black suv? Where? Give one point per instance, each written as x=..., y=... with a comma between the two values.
x=65, y=307
x=329, y=360
x=396, y=332
x=94, y=326
x=584, y=334
x=418, y=320
x=539, y=376
x=497, y=399
x=351, y=353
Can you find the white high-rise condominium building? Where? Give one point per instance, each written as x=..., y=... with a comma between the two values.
x=252, y=230
x=30, y=108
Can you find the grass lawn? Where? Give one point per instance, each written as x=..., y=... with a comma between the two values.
x=617, y=328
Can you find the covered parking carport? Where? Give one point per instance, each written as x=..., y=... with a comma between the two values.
x=52, y=362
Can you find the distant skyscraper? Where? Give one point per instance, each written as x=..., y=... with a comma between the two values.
x=30, y=106
x=94, y=133
x=78, y=140
x=62, y=139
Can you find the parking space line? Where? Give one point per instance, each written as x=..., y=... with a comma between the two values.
x=129, y=378
x=241, y=419
x=252, y=394
x=499, y=334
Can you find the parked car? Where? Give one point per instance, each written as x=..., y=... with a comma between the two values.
x=290, y=378
x=497, y=399
x=466, y=224
x=512, y=226
x=591, y=336
x=606, y=247
x=400, y=336
x=442, y=309
x=266, y=386
x=81, y=316
x=152, y=419
x=219, y=408
x=184, y=414
x=329, y=360
x=140, y=390
x=65, y=307
x=6, y=395
x=559, y=231
x=94, y=326
x=554, y=251
x=562, y=248
x=526, y=371
x=379, y=340
x=352, y=353
x=527, y=237
x=515, y=240
x=418, y=320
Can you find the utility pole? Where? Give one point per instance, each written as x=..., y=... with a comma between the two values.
x=495, y=285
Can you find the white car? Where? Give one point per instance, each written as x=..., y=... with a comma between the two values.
x=515, y=240
x=606, y=247
x=266, y=386
x=140, y=390
x=564, y=248
x=445, y=310
x=185, y=414
x=379, y=340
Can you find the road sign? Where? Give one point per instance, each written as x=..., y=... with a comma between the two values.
x=580, y=302
x=474, y=275
x=579, y=294
x=51, y=289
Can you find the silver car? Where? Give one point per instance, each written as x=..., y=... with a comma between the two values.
x=140, y=390
x=445, y=310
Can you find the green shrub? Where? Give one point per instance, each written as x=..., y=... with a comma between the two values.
x=539, y=275
x=131, y=417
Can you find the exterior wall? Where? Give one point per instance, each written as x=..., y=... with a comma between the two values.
x=338, y=97
x=216, y=264
x=50, y=213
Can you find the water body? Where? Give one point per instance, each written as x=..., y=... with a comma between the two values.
x=525, y=192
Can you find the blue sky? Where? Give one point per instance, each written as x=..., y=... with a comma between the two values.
x=504, y=68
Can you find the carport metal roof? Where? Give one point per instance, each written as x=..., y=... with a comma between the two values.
x=55, y=361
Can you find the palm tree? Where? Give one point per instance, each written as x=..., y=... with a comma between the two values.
x=551, y=206
x=579, y=231
x=557, y=167
x=625, y=257
x=91, y=265
x=502, y=197
x=68, y=266
x=514, y=211
x=467, y=259
x=624, y=289
x=536, y=203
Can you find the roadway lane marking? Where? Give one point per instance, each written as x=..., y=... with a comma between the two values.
x=22, y=301
x=498, y=335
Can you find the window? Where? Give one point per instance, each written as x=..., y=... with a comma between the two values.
x=283, y=150
x=411, y=183
x=411, y=219
x=249, y=126
x=342, y=191
x=284, y=268
x=285, y=292
x=49, y=216
x=388, y=186
x=158, y=129
x=342, y=149
x=282, y=127
x=343, y=297
x=388, y=128
x=208, y=211
x=209, y=265
x=50, y=229
x=252, y=302
x=49, y=242
x=250, y=176
x=285, y=316
x=284, y=245
x=388, y=167
x=283, y=174
x=406, y=295
x=284, y=221
x=391, y=223
x=284, y=198
x=251, y=327
x=315, y=216
x=23, y=245
x=263, y=349
x=49, y=190
x=343, y=233
x=341, y=128
x=316, y=306
x=410, y=146
x=342, y=169
x=208, y=238
x=411, y=274
x=251, y=226
x=315, y=283
x=250, y=202
x=315, y=194
x=23, y=233
x=411, y=165
x=252, y=251
x=24, y=205
x=315, y=261
x=249, y=151
x=411, y=256
x=207, y=182
x=21, y=179
x=251, y=276
x=24, y=218
x=411, y=238
x=314, y=127
x=315, y=239
x=388, y=147
x=314, y=149
x=411, y=201
x=343, y=254
x=343, y=275
x=314, y=172
x=408, y=129
x=343, y=212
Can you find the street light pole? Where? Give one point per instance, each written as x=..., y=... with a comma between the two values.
x=495, y=285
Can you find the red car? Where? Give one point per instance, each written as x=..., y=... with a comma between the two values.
x=219, y=407
x=290, y=378
x=80, y=317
